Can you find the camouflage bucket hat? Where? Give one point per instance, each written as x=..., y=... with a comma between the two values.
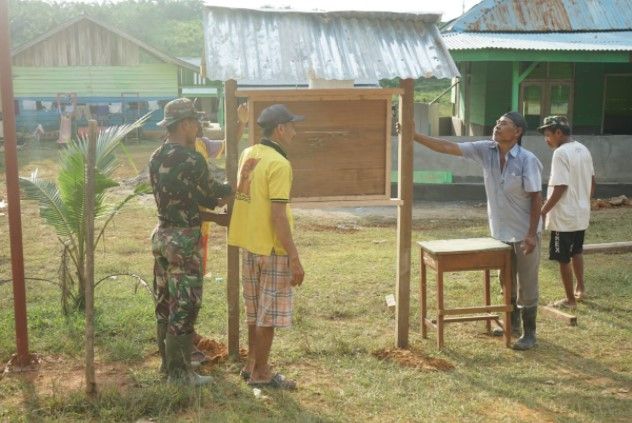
x=554, y=121
x=178, y=109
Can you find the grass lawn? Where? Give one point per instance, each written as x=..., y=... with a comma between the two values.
x=342, y=331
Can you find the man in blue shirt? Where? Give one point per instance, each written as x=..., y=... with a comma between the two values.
x=513, y=181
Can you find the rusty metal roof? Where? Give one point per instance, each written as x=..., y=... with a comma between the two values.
x=582, y=41
x=545, y=16
x=294, y=46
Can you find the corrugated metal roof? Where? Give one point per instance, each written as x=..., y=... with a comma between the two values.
x=582, y=41
x=292, y=46
x=545, y=16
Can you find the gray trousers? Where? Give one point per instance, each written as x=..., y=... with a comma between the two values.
x=524, y=278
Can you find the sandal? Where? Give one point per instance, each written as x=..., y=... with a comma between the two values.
x=563, y=304
x=278, y=381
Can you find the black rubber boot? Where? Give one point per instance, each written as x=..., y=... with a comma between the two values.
x=527, y=340
x=161, y=333
x=515, y=322
x=178, y=353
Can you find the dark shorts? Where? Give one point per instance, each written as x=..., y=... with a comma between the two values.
x=565, y=245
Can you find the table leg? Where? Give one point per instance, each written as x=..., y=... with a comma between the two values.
x=506, y=275
x=422, y=299
x=488, y=300
x=440, y=308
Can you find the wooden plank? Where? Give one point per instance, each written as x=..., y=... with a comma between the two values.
x=388, y=137
x=404, y=211
x=469, y=310
x=346, y=203
x=608, y=247
x=474, y=318
x=319, y=94
x=232, y=270
x=570, y=319
x=336, y=152
x=456, y=246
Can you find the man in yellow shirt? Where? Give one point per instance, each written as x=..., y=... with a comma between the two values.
x=261, y=224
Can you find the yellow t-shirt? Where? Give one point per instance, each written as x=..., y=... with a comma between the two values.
x=265, y=176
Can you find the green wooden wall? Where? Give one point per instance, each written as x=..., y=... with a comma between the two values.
x=498, y=91
x=159, y=79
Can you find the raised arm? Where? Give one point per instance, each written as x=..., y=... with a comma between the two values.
x=437, y=144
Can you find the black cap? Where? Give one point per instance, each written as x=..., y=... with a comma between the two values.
x=277, y=114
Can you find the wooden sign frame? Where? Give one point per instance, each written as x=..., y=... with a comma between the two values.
x=403, y=201
x=320, y=99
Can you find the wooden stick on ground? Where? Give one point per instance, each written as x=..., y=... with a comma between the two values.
x=570, y=319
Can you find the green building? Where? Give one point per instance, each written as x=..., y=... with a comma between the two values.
x=562, y=57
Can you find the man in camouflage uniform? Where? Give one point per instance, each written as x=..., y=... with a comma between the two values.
x=181, y=184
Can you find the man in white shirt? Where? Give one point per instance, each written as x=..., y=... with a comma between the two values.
x=567, y=208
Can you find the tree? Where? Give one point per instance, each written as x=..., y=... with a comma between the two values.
x=62, y=205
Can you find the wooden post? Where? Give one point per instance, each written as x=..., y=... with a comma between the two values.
x=23, y=357
x=91, y=385
x=232, y=253
x=404, y=210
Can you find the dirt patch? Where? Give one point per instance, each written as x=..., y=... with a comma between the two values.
x=217, y=352
x=50, y=374
x=414, y=359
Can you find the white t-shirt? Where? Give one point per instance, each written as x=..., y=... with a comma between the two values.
x=572, y=166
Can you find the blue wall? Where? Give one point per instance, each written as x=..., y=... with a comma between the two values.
x=108, y=111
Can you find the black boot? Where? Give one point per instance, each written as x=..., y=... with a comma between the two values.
x=161, y=333
x=515, y=322
x=527, y=340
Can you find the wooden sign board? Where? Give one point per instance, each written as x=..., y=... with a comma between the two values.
x=341, y=152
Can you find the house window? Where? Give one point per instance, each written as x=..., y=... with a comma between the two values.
x=547, y=90
x=138, y=105
x=617, y=114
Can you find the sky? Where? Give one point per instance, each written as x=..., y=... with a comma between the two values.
x=449, y=9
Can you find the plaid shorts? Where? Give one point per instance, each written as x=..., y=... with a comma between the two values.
x=267, y=290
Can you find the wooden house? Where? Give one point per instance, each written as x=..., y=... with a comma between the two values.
x=87, y=69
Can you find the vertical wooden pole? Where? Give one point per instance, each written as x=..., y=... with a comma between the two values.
x=91, y=385
x=13, y=190
x=232, y=253
x=404, y=210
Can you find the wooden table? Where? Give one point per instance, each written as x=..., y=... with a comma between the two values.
x=462, y=255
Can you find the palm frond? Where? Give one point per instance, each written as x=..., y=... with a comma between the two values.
x=52, y=208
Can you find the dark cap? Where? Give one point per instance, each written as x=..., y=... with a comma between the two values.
x=178, y=109
x=519, y=121
x=277, y=114
x=554, y=122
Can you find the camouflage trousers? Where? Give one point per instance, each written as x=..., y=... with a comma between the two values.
x=177, y=277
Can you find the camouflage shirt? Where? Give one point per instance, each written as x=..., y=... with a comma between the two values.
x=181, y=182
